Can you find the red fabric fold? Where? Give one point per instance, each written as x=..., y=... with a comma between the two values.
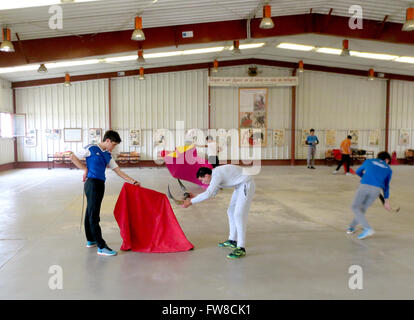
x=147, y=221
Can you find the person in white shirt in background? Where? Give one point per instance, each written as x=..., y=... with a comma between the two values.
x=229, y=176
x=212, y=150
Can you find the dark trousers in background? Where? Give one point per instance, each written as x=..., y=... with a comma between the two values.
x=346, y=158
x=94, y=190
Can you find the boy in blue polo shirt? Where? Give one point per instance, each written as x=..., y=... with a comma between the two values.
x=376, y=175
x=311, y=141
x=98, y=158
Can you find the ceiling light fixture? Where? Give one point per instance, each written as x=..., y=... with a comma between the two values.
x=405, y=59
x=300, y=67
x=371, y=74
x=267, y=22
x=67, y=80
x=6, y=45
x=141, y=59
x=377, y=56
x=20, y=4
x=251, y=45
x=202, y=50
x=293, y=46
x=141, y=74
x=345, y=48
x=409, y=20
x=236, y=47
x=215, y=66
x=138, y=34
x=42, y=69
x=329, y=51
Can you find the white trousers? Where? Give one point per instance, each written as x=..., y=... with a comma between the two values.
x=238, y=210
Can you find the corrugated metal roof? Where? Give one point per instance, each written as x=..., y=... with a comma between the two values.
x=112, y=15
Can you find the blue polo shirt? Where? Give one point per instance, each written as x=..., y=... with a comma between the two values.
x=97, y=160
x=375, y=172
x=311, y=139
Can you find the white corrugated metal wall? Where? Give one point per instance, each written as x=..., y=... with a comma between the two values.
x=341, y=102
x=401, y=115
x=83, y=105
x=6, y=105
x=225, y=109
x=324, y=101
x=157, y=103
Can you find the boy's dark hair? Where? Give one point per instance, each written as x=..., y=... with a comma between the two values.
x=349, y=137
x=384, y=155
x=113, y=136
x=209, y=138
x=312, y=130
x=203, y=171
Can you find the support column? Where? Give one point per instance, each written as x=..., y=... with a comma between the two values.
x=109, y=104
x=387, y=115
x=293, y=123
x=16, y=159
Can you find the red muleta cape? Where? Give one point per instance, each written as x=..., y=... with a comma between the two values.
x=147, y=221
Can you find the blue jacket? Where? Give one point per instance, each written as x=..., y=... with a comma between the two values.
x=375, y=172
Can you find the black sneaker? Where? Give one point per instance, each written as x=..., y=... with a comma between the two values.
x=312, y=167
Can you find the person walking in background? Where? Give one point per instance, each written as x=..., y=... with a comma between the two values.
x=346, y=155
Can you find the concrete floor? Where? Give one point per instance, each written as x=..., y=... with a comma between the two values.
x=296, y=242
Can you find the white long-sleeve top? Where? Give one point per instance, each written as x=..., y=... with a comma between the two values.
x=227, y=176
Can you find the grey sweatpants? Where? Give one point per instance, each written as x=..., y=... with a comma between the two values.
x=364, y=198
x=311, y=155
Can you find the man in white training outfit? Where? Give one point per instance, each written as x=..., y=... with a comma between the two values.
x=229, y=176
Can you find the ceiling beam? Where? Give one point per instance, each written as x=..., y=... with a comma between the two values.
x=117, y=42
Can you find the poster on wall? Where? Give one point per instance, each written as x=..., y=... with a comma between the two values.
x=305, y=134
x=253, y=137
x=355, y=137
x=135, y=137
x=374, y=136
x=194, y=136
x=222, y=135
x=404, y=137
x=30, y=140
x=159, y=137
x=330, y=139
x=253, y=114
x=72, y=135
x=94, y=135
x=53, y=134
x=278, y=137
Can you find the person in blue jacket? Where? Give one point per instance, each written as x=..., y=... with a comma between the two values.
x=376, y=175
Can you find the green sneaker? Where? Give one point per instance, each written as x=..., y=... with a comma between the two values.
x=228, y=244
x=237, y=253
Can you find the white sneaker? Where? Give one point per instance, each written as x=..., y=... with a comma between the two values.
x=335, y=172
x=349, y=174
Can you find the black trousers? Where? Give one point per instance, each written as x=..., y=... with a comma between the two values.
x=346, y=158
x=213, y=160
x=94, y=190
